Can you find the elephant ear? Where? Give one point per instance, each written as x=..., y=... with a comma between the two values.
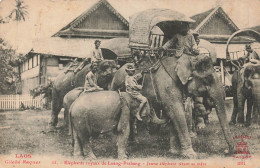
x=183, y=68
x=203, y=66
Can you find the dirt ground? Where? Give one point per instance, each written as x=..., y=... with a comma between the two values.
x=25, y=132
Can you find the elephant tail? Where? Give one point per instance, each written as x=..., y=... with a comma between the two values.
x=70, y=125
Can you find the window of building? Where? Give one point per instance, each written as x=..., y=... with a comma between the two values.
x=38, y=60
x=35, y=61
x=30, y=63
x=26, y=65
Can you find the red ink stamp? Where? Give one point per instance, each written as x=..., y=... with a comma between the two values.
x=242, y=149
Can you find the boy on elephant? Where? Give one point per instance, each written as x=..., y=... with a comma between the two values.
x=133, y=88
x=91, y=80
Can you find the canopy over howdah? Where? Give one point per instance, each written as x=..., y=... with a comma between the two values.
x=243, y=32
x=141, y=24
x=116, y=48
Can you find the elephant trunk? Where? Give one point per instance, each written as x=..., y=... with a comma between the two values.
x=256, y=95
x=155, y=119
x=217, y=94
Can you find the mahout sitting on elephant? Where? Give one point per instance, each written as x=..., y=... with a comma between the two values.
x=246, y=86
x=164, y=84
x=67, y=81
x=100, y=112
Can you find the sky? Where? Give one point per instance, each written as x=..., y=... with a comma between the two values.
x=46, y=17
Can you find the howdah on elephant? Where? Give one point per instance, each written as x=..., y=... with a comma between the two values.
x=104, y=111
x=67, y=81
x=246, y=86
x=166, y=81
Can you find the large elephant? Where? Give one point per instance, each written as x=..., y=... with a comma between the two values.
x=166, y=83
x=246, y=86
x=100, y=112
x=67, y=81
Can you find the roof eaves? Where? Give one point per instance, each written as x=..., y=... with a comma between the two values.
x=198, y=28
x=211, y=15
x=228, y=19
x=79, y=19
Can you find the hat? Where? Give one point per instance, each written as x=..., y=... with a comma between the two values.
x=130, y=67
x=194, y=33
x=97, y=41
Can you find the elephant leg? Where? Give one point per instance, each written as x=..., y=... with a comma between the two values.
x=241, y=104
x=77, y=149
x=188, y=115
x=88, y=150
x=255, y=118
x=206, y=117
x=235, y=108
x=66, y=117
x=123, y=129
x=133, y=129
x=174, y=141
x=177, y=116
x=56, y=107
x=199, y=110
x=122, y=142
x=249, y=111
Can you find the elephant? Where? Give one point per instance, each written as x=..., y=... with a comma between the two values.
x=69, y=98
x=164, y=84
x=67, y=81
x=100, y=112
x=246, y=86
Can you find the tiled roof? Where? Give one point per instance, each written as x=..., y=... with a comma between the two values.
x=203, y=18
x=256, y=28
x=199, y=18
x=85, y=14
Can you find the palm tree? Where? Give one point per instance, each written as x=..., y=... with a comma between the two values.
x=20, y=11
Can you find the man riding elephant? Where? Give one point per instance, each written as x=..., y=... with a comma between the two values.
x=166, y=83
x=66, y=82
x=91, y=79
x=251, y=55
x=182, y=42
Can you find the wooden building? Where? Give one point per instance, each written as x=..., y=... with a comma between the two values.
x=76, y=40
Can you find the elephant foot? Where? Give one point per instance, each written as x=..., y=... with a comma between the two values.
x=91, y=156
x=255, y=126
x=78, y=157
x=232, y=122
x=206, y=121
x=193, y=134
x=188, y=153
x=240, y=125
x=51, y=128
x=122, y=156
x=174, y=151
x=200, y=125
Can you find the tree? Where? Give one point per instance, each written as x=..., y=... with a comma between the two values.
x=20, y=11
x=8, y=74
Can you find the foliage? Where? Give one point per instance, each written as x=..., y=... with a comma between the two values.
x=20, y=11
x=8, y=74
x=45, y=90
